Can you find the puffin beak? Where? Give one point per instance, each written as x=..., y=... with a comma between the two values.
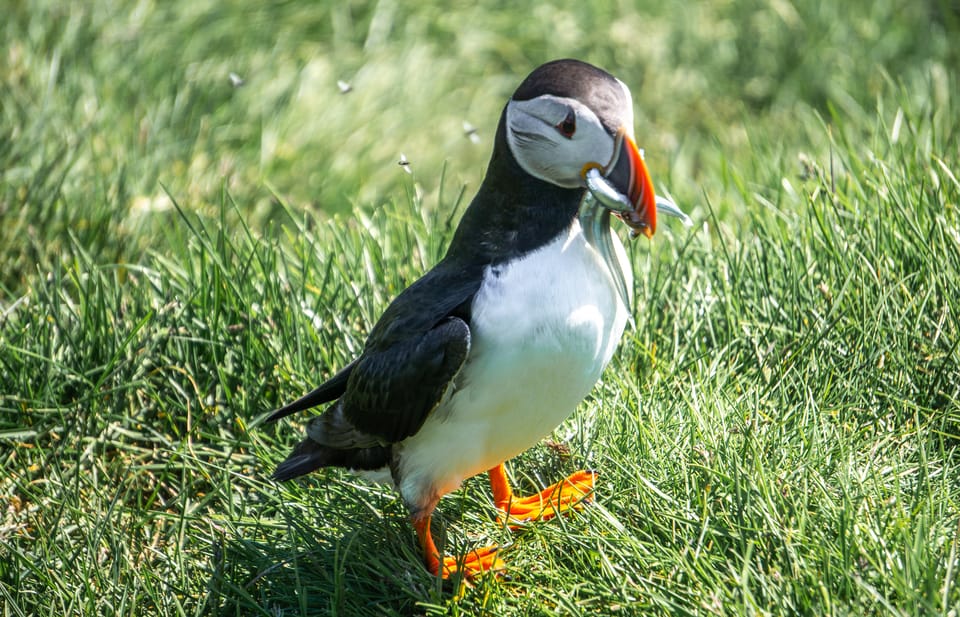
x=625, y=187
x=630, y=177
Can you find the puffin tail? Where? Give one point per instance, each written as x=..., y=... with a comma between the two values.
x=310, y=455
x=306, y=457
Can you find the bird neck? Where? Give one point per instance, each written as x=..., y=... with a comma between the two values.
x=513, y=212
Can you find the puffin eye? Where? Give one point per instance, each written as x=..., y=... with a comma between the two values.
x=568, y=126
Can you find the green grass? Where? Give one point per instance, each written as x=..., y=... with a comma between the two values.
x=780, y=434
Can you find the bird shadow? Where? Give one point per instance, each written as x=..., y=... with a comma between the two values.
x=330, y=546
x=354, y=557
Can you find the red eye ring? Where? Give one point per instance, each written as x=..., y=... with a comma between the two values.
x=568, y=126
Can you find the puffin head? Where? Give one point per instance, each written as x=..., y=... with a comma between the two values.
x=571, y=124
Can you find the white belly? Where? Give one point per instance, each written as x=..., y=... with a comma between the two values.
x=543, y=329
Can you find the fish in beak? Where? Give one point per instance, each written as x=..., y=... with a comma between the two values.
x=623, y=187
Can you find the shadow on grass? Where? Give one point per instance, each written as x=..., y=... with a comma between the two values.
x=350, y=551
x=346, y=557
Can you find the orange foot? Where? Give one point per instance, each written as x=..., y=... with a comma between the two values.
x=472, y=566
x=567, y=494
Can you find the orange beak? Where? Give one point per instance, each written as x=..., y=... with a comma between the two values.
x=628, y=174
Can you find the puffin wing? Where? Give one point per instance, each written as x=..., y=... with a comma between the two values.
x=409, y=360
x=388, y=394
x=392, y=390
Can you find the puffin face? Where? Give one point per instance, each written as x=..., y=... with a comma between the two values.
x=571, y=124
x=554, y=138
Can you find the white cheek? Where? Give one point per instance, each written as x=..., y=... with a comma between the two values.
x=538, y=152
x=545, y=154
x=597, y=147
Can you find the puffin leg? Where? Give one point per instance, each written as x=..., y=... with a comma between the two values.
x=472, y=565
x=569, y=493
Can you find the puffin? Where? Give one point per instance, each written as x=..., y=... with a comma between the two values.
x=491, y=349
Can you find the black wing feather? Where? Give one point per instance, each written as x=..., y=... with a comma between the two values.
x=391, y=392
x=329, y=390
x=409, y=360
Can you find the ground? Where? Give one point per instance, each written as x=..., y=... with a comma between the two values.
x=202, y=213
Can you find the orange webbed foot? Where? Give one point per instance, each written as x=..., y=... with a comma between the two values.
x=569, y=493
x=474, y=564
x=471, y=566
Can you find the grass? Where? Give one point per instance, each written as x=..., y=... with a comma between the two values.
x=178, y=255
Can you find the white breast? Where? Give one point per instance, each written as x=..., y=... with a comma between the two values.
x=543, y=329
